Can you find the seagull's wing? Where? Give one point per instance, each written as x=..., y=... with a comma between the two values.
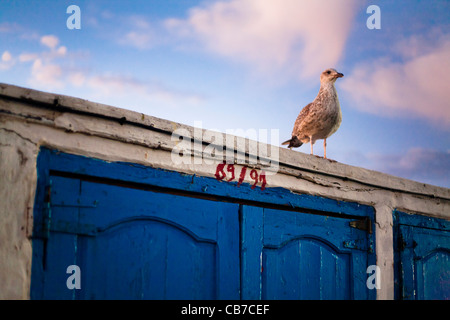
x=303, y=117
x=304, y=114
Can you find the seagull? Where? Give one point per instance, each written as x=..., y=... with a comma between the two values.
x=321, y=118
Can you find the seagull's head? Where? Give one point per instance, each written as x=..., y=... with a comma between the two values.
x=330, y=76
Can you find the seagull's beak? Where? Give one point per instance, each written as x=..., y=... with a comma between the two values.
x=339, y=75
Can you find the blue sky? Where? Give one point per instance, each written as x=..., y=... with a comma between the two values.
x=251, y=64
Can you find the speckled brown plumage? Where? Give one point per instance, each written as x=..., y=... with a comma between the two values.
x=321, y=118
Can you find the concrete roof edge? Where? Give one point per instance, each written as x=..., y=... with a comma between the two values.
x=286, y=157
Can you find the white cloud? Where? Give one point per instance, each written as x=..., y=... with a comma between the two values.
x=415, y=86
x=61, y=51
x=113, y=84
x=137, y=39
x=6, y=56
x=50, y=41
x=301, y=38
x=25, y=57
x=110, y=85
x=53, y=68
x=140, y=34
x=8, y=27
x=7, y=61
x=419, y=164
x=46, y=74
x=77, y=78
x=45, y=70
x=136, y=30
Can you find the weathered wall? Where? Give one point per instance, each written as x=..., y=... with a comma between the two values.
x=30, y=119
x=18, y=180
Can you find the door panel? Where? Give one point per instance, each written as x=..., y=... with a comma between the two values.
x=305, y=269
x=422, y=257
x=138, y=244
x=302, y=256
x=425, y=262
x=148, y=260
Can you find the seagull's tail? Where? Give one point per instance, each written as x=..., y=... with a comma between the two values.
x=293, y=142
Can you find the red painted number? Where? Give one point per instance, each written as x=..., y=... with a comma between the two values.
x=221, y=175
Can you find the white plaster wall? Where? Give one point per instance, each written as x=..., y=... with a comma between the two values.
x=18, y=181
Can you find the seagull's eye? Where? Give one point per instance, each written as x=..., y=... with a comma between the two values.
x=328, y=72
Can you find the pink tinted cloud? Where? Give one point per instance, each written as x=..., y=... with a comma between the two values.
x=6, y=60
x=417, y=86
x=50, y=41
x=419, y=164
x=46, y=74
x=298, y=37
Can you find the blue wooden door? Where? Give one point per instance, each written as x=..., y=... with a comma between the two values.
x=423, y=251
x=142, y=233
x=137, y=244
x=294, y=255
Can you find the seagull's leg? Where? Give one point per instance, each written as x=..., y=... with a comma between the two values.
x=325, y=148
x=311, y=142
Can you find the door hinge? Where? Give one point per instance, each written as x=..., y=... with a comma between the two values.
x=359, y=244
x=363, y=224
x=403, y=243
